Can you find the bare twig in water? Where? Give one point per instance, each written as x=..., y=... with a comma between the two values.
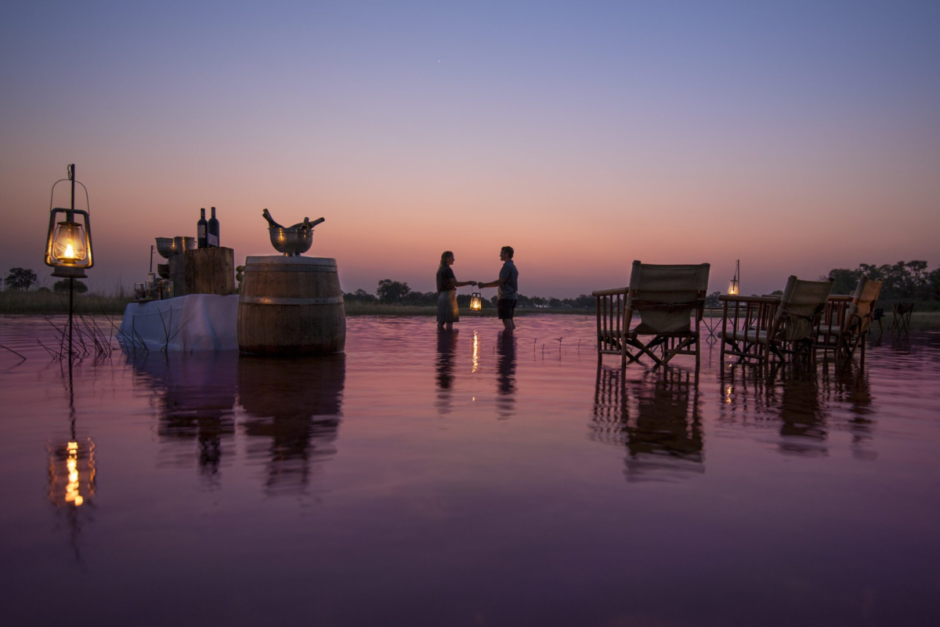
x=13, y=351
x=47, y=349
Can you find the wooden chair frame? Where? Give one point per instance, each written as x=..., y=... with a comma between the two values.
x=758, y=327
x=901, y=321
x=615, y=309
x=847, y=321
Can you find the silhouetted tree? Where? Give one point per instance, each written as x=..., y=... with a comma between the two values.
x=359, y=296
x=390, y=291
x=20, y=279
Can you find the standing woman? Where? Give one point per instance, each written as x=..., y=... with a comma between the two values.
x=447, y=284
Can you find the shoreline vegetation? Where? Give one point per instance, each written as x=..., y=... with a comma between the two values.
x=44, y=303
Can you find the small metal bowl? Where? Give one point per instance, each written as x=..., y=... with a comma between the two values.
x=166, y=247
x=291, y=242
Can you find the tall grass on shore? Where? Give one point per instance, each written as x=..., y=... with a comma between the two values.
x=44, y=302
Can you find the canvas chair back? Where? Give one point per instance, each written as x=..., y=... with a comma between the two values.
x=665, y=296
x=863, y=303
x=800, y=306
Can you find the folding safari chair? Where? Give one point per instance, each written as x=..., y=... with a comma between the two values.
x=849, y=319
x=902, y=316
x=668, y=300
x=762, y=328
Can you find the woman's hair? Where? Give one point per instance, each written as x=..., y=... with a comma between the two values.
x=444, y=256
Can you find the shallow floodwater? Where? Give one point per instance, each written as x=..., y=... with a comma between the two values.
x=437, y=479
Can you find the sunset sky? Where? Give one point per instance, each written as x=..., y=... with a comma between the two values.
x=794, y=136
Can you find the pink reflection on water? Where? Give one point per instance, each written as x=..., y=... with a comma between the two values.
x=435, y=472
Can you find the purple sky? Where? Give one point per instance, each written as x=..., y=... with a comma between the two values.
x=797, y=136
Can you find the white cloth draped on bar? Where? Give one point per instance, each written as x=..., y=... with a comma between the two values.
x=198, y=322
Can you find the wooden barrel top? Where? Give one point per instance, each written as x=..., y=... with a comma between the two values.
x=280, y=263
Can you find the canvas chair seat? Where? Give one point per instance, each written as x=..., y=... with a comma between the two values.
x=746, y=335
x=830, y=329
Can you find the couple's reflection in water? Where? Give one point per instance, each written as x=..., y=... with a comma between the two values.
x=657, y=419
x=291, y=410
x=446, y=364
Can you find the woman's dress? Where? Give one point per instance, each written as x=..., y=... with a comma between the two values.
x=447, y=295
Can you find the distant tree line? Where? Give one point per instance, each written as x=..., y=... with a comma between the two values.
x=902, y=281
x=391, y=292
x=21, y=279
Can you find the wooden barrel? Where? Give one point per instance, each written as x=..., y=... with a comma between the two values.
x=291, y=306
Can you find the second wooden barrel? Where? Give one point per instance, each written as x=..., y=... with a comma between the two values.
x=291, y=306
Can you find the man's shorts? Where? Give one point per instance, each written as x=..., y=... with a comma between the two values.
x=504, y=308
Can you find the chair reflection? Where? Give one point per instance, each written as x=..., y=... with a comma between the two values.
x=293, y=408
x=446, y=351
x=783, y=396
x=803, y=428
x=194, y=394
x=665, y=439
x=850, y=385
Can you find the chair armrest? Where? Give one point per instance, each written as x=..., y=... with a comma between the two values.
x=769, y=300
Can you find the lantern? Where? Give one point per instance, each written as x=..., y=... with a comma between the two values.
x=68, y=242
x=476, y=301
x=735, y=286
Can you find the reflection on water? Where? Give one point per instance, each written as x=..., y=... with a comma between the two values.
x=72, y=472
x=194, y=395
x=803, y=416
x=849, y=385
x=836, y=465
x=505, y=375
x=444, y=369
x=664, y=439
x=293, y=408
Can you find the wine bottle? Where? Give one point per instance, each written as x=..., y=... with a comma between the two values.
x=201, y=229
x=213, y=235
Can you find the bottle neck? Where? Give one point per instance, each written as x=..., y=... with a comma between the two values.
x=213, y=212
x=202, y=214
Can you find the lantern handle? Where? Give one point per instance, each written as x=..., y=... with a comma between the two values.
x=52, y=194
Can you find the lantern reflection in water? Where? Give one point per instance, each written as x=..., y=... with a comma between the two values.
x=476, y=352
x=72, y=473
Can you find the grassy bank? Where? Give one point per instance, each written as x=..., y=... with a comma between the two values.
x=48, y=303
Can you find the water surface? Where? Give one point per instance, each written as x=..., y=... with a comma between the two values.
x=451, y=479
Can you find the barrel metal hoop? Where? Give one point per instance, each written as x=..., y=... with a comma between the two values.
x=274, y=300
x=274, y=268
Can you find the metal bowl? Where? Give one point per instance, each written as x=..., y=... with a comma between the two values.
x=183, y=244
x=166, y=247
x=291, y=242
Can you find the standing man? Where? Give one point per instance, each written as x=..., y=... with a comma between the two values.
x=508, y=284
